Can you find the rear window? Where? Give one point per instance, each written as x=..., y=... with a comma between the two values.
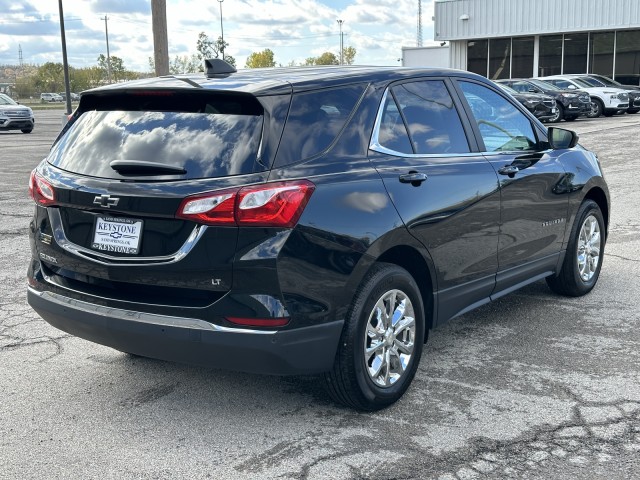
x=315, y=120
x=208, y=135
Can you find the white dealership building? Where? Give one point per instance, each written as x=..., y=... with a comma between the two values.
x=534, y=38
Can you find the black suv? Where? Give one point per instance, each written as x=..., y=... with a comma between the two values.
x=570, y=103
x=299, y=221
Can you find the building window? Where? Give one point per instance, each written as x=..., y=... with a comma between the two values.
x=477, y=55
x=601, y=53
x=499, y=58
x=550, y=62
x=628, y=57
x=522, y=57
x=575, y=53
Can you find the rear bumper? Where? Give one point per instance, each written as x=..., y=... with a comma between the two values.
x=304, y=350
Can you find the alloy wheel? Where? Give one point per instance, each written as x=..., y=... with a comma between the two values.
x=589, y=243
x=389, y=338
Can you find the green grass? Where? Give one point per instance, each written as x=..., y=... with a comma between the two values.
x=37, y=105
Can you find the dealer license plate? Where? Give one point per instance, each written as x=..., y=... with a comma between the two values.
x=120, y=235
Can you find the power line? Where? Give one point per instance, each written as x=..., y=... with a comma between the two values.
x=41, y=20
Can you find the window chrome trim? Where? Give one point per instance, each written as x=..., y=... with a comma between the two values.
x=376, y=147
x=103, y=259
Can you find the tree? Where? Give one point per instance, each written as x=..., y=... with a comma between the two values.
x=50, y=77
x=221, y=46
x=261, y=59
x=118, y=70
x=212, y=49
x=327, y=58
x=184, y=64
x=206, y=48
x=86, y=78
x=349, y=55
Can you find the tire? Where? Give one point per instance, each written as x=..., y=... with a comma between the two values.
x=559, y=114
x=632, y=112
x=597, y=108
x=609, y=113
x=369, y=382
x=27, y=130
x=583, y=260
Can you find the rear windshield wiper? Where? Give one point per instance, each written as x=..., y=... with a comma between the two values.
x=140, y=167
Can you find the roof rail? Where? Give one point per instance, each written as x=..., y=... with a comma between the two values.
x=216, y=67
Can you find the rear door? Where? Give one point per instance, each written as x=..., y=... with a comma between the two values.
x=533, y=209
x=444, y=190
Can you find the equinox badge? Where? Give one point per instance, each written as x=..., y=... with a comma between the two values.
x=106, y=201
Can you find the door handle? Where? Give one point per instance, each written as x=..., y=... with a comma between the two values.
x=414, y=178
x=508, y=170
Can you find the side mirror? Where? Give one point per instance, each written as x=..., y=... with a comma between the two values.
x=560, y=139
x=571, y=87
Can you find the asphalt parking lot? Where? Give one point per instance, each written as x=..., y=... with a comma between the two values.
x=533, y=386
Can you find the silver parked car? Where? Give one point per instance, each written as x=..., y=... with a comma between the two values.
x=14, y=116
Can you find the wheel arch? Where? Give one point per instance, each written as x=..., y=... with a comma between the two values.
x=412, y=261
x=598, y=195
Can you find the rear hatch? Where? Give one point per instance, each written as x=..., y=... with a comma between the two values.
x=119, y=174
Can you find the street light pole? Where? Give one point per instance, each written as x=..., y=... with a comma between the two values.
x=340, y=22
x=221, y=29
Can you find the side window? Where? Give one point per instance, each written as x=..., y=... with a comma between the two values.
x=430, y=117
x=502, y=126
x=521, y=87
x=315, y=120
x=393, y=134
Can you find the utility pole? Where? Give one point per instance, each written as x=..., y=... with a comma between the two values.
x=340, y=22
x=106, y=33
x=160, y=40
x=221, y=29
x=65, y=64
x=419, y=32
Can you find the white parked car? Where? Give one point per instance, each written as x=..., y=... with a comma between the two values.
x=605, y=101
x=50, y=97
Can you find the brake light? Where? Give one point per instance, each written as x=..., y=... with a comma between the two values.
x=269, y=205
x=259, y=322
x=40, y=190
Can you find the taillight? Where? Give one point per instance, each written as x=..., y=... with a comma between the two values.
x=40, y=190
x=270, y=205
x=213, y=209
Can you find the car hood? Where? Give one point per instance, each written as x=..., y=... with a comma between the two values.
x=14, y=108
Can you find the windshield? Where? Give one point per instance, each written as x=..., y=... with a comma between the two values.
x=582, y=83
x=5, y=100
x=544, y=85
x=607, y=81
x=592, y=81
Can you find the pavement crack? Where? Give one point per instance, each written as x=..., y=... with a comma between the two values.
x=623, y=258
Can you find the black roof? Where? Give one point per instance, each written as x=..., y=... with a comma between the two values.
x=280, y=80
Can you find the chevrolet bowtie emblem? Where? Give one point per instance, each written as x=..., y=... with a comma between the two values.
x=106, y=201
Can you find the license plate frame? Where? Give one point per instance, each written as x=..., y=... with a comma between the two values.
x=117, y=234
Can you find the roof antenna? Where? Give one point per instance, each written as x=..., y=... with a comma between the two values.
x=216, y=67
